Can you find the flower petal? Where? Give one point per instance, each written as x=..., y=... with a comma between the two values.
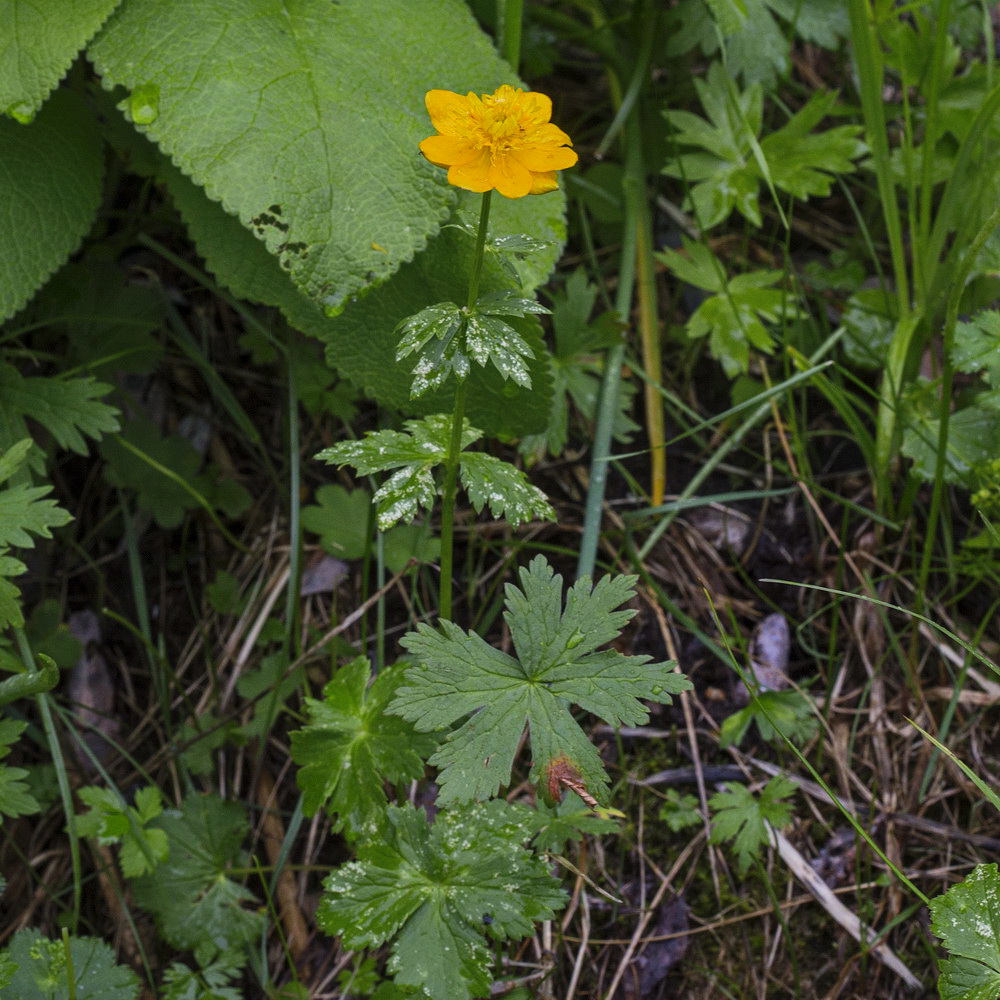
x=543, y=183
x=540, y=104
x=509, y=177
x=445, y=151
x=474, y=175
x=549, y=133
x=541, y=159
x=442, y=104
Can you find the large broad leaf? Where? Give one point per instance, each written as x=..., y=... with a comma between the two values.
x=38, y=41
x=361, y=342
x=50, y=187
x=303, y=119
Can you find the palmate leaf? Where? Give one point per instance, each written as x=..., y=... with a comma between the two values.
x=736, y=317
x=42, y=971
x=490, y=339
x=567, y=822
x=351, y=746
x=435, y=335
x=438, y=891
x=195, y=902
x=111, y=821
x=973, y=439
x=790, y=712
x=742, y=817
x=413, y=455
x=803, y=162
x=504, y=489
x=967, y=919
x=219, y=980
x=446, y=338
x=10, y=596
x=15, y=797
x=340, y=518
x=23, y=512
x=576, y=373
x=559, y=663
x=69, y=409
x=730, y=165
x=977, y=345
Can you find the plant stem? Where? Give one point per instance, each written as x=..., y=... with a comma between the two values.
x=477, y=260
x=510, y=17
x=634, y=187
x=457, y=420
x=944, y=414
x=62, y=776
x=448, y=502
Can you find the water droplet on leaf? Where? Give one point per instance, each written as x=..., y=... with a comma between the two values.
x=21, y=112
x=144, y=104
x=333, y=304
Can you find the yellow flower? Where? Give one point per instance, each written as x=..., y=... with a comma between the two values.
x=502, y=140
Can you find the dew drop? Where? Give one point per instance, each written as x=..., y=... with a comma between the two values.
x=144, y=104
x=333, y=304
x=21, y=112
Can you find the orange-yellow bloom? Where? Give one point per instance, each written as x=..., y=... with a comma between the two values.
x=502, y=140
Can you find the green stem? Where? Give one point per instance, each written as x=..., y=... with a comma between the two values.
x=477, y=260
x=510, y=18
x=70, y=971
x=62, y=776
x=634, y=184
x=457, y=420
x=448, y=502
x=944, y=415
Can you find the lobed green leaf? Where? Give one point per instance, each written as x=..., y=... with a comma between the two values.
x=439, y=890
x=967, y=919
x=458, y=674
x=350, y=747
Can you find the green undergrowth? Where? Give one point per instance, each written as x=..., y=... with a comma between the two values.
x=300, y=446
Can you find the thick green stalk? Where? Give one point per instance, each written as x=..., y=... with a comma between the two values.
x=448, y=502
x=477, y=260
x=634, y=185
x=455, y=444
x=608, y=405
x=510, y=18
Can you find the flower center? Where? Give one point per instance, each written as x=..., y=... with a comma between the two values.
x=501, y=122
